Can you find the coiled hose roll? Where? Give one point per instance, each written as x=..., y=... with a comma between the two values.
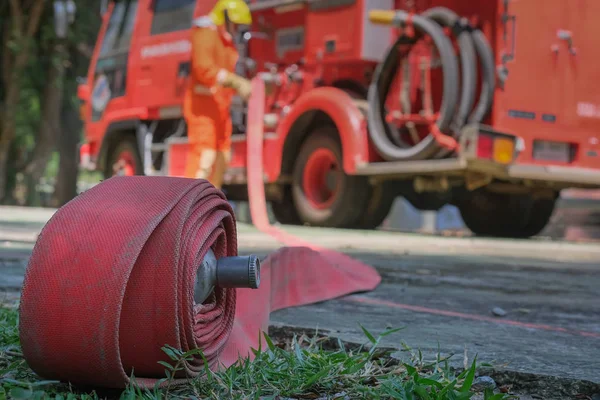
x=379, y=130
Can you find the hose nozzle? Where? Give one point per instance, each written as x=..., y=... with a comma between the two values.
x=226, y=272
x=238, y=272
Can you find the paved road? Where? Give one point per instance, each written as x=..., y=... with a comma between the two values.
x=441, y=289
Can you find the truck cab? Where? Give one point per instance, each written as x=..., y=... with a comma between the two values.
x=137, y=73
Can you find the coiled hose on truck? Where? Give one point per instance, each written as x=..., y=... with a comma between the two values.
x=473, y=46
x=379, y=130
x=488, y=76
x=456, y=105
x=468, y=62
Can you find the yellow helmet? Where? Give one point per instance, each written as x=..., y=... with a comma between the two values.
x=237, y=11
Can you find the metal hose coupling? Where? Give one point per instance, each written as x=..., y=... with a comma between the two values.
x=226, y=272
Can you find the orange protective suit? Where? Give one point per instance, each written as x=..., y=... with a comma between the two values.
x=206, y=103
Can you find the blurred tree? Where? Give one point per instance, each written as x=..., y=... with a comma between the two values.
x=39, y=109
x=20, y=23
x=51, y=56
x=82, y=38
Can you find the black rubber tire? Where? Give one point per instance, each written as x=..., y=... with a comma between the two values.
x=284, y=211
x=488, y=75
x=505, y=215
x=379, y=131
x=126, y=143
x=379, y=206
x=351, y=199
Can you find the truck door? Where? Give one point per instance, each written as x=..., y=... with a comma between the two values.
x=578, y=46
x=530, y=97
x=164, y=56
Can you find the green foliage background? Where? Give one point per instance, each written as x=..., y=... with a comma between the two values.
x=33, y=81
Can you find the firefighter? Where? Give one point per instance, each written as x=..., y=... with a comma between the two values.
x=212, y=86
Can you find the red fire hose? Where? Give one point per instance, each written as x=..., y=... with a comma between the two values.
x=137, y=263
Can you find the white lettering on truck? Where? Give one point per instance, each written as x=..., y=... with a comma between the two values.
x=588, y=110
x=165, y=49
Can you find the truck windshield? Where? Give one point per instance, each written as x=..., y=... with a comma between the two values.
x=120, y=27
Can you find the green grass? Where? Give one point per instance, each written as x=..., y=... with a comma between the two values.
x=302, y=368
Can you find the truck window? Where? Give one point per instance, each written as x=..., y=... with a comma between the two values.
x=172, y=15
x=110, y=79
x=128, y=25
x=120, y=27
x=112, y=31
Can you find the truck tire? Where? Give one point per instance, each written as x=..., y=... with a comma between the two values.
x=379, y=206
x=125, y=152
x=284, y=211
x=322, y=192
x=506, y=215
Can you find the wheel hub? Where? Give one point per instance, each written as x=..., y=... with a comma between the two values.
x=321, y=178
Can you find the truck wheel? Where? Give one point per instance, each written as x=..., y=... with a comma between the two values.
x=323, y=194
x=380, y=203
x=284, y=211
x=124, y=159
x=506, y=215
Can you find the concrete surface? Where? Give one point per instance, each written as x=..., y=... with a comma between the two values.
x=441, y=289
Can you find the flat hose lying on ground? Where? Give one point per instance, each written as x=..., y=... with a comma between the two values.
x=111, y=280
x=383, y=77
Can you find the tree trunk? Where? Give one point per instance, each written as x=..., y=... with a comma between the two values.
x=66, y=180
x=20, y=30
x=7, y=132
x=11, y=177
x=4, y=149
x=50, y=126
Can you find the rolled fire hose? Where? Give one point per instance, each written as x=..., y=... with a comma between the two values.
x=488, y=73
x=137, y=263
x=383, y=77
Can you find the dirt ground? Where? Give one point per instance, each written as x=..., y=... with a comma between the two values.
x=529, y=307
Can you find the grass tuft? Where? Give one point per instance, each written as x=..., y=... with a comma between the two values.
x=298, y=369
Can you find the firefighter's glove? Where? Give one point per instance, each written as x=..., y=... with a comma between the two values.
x=241, y=85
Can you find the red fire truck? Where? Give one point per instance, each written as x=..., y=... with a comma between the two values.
x=488, y=106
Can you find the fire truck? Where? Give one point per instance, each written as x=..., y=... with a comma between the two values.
x=489, y=106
